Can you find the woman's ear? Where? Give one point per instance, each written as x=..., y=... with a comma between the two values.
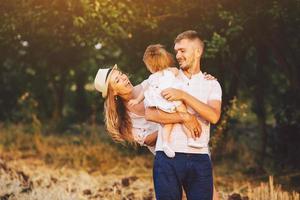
x=116, y=97
x=111, y=90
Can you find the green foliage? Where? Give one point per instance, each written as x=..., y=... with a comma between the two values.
x=215, y=46
x=52, y=50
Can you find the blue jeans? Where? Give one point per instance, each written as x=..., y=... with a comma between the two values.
x=193, y=172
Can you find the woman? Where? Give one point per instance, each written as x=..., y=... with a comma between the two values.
x=124, y=122
x=127, y=123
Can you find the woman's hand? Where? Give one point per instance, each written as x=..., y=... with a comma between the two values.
x=150, y=140
x=192, y=124
x=208, y=76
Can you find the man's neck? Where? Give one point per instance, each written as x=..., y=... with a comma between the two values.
x=192, y=70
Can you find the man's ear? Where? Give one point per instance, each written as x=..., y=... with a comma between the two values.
x=198, y=52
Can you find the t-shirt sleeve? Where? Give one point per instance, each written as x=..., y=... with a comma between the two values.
x=139, y=136
x=216, y=91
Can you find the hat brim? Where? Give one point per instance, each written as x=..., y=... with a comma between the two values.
x=104, y=94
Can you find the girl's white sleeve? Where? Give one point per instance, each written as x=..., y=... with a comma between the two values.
x=145, y=83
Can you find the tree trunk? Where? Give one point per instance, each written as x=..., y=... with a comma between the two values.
x=59, y=97
x=220, y=138
x=259, y=99
x=80, y=99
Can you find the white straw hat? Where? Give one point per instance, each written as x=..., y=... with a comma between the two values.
x=101, y=80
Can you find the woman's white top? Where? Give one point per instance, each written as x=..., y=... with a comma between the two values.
x=141, y=128
x=157, y=82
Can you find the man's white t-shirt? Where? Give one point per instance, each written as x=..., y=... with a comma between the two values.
x=204, y=90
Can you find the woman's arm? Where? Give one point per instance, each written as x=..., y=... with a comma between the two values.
x=150, y=140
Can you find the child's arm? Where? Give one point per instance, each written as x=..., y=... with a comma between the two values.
x=174, y=70
x=140, y=97
x=137, y=100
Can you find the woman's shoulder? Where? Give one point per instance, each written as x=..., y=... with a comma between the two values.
x=139, y=108
x=137, y=89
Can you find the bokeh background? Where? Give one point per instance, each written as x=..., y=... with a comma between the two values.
x=51, y=117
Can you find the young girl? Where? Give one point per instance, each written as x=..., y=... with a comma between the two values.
x=159, y=62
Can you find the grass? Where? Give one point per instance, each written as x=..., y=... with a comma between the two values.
x=87, y=165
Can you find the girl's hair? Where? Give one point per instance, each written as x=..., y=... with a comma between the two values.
x=117, y=120
x=157, y=58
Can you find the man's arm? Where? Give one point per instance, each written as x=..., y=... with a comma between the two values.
x=158, y=116
x=210, y=111
x=188, y=120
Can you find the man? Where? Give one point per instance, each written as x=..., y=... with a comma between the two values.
x=191, y=168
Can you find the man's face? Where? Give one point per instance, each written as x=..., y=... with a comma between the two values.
x=185, y=53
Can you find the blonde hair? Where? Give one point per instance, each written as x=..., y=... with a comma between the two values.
x=157, y=58
x=118, y=122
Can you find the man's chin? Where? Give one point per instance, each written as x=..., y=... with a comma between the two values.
x=183, y=67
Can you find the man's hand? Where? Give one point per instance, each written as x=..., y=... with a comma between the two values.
x=192, y=124
x=172, y=94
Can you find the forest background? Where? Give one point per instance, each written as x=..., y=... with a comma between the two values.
x=51, y=51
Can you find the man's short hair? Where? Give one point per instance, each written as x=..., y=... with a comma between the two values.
x=190, y=35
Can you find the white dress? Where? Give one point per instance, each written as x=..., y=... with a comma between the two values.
x=158, y=82
x=141, y=128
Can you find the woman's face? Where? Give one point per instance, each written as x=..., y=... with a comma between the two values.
x=119, y=83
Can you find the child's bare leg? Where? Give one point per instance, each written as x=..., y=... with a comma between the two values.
x=187, y=132
x=182, y=108
x=167, y=132
x=191, y=142
x=166, y=140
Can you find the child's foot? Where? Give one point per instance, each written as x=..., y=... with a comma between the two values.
x=195, y=143
x=168, y=151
